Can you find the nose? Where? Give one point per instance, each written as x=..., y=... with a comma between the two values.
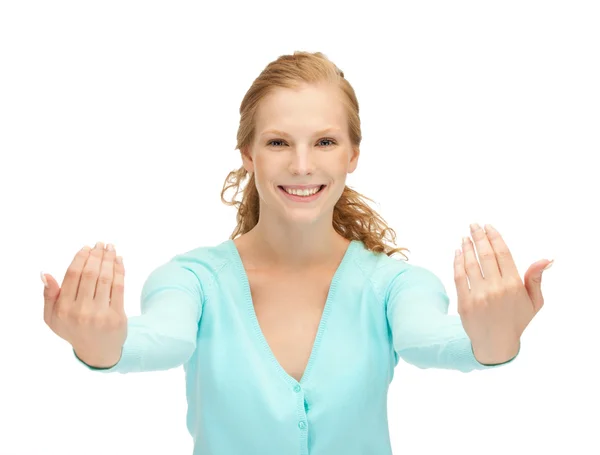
x=302, y=161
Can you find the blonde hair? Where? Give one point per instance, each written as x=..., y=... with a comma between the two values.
x=352, y=216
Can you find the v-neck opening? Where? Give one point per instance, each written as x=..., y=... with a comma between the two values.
x=253, y=318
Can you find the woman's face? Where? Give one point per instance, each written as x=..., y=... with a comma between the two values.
x=301, y=139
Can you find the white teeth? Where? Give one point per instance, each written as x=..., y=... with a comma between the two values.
x=302, y=192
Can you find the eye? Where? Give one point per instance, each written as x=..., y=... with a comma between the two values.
x=274, y=140
x=328, y=140
x=281, y=140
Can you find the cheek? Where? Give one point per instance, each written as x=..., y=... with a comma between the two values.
x=262, y=165
x=259, y=167
x=263, y=172
x=343, y=158
x=340, y=167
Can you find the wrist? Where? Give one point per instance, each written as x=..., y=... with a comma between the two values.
x=494, y=355
x=96, y=359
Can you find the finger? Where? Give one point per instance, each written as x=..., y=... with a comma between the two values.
x=533, y=283
x=471, y=263
x=460, y=277
x=105, y=279
x=51, y=294
x=89, y=275
x=118, y=285
x=506, y=263
x=485, y=253
x=72, y=277
x=51, y=288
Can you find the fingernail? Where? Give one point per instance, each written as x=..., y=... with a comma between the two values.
x=549, y=265
x=110, y=247
x=474, y=227
x=43, y=279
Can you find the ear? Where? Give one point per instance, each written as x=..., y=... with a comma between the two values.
x=353, y=160
x=247, y=159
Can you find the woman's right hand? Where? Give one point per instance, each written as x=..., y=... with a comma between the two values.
x=88, y=311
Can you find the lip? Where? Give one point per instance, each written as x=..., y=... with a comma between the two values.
x=304, y=199
x=302, y=187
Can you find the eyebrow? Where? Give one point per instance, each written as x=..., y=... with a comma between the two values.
x=318, y=133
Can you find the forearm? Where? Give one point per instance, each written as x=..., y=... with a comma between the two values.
x=150, y=346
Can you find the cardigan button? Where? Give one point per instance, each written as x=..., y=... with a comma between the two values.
x=297, y=388
x=302, y=425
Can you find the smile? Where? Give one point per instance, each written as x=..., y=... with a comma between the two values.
x=303, y=196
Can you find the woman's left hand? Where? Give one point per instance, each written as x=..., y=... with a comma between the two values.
x=497, y=307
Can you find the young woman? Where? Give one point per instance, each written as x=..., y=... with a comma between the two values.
x=289, y=331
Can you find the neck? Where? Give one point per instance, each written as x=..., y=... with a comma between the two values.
x=296, y=247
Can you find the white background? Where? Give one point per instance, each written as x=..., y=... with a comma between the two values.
x=118, y=123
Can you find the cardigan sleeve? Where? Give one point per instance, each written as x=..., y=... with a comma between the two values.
x=423, y=332
x=163, y=336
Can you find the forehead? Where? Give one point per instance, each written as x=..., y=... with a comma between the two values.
x=309, y=106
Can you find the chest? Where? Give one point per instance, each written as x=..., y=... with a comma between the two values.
x=289, y=308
